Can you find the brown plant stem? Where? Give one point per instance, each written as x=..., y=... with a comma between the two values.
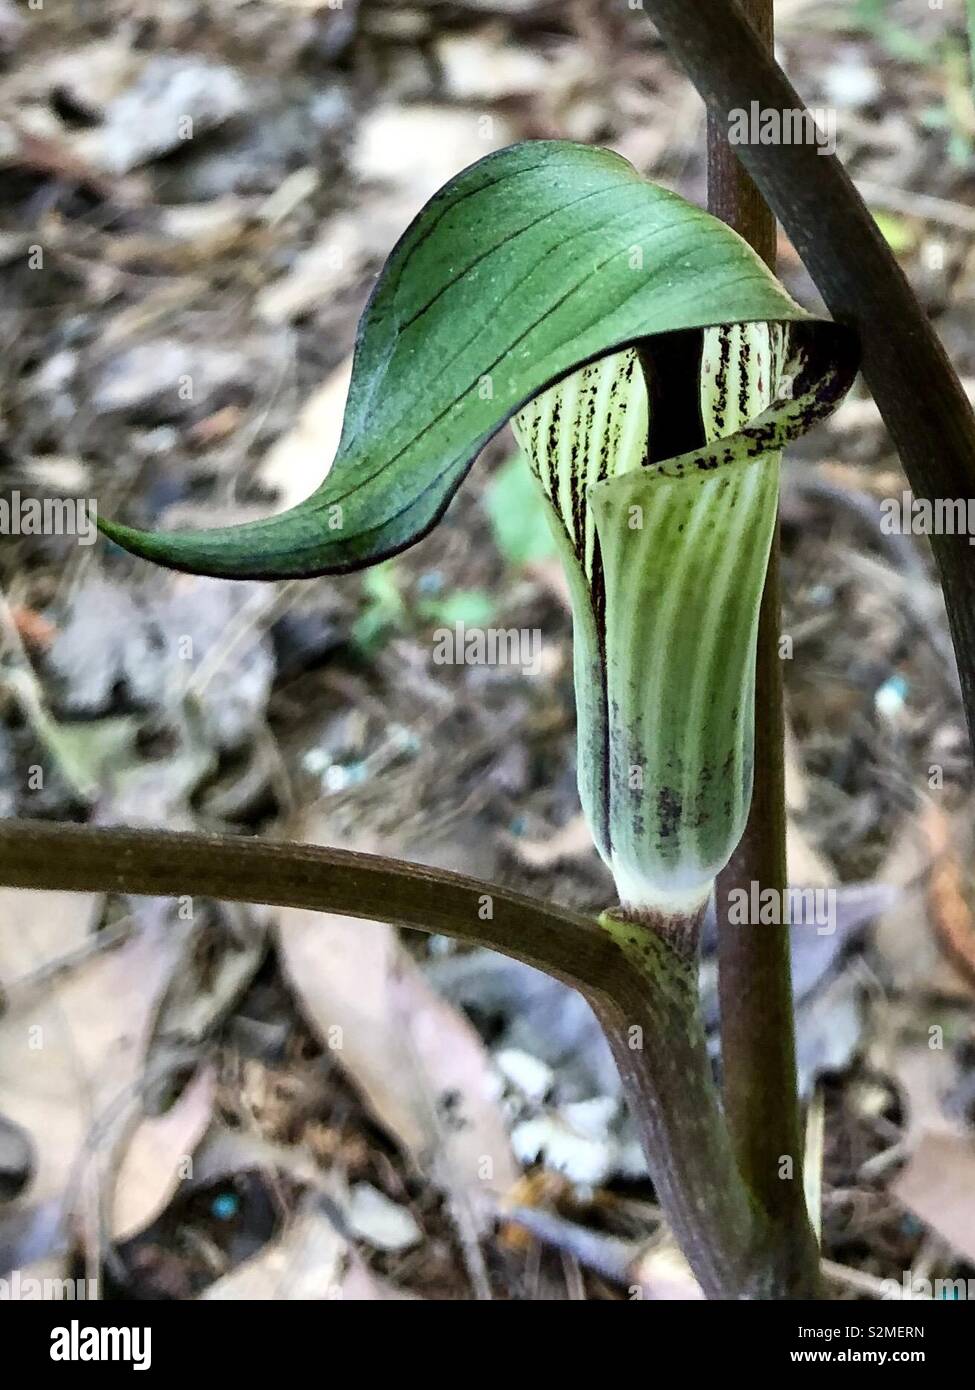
x=912, y=380
x=754, y=962
x=234, y=868
x=653, y=1024
x=755, y=989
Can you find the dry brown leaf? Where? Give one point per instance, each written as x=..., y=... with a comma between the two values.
x=911, y=951
x=567, y=842
x=662, y=1273
x=72, y=1045
x=950, y=912
x=331, y=265
x=36, y=631
x=419, y=1064
x=806, y=865
x=310, y=1260
x=415, y=149
x=926, y=1075
x=155, y=1158
x=938, y=1186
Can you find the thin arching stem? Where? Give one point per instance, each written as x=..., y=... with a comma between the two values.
x=233, y=868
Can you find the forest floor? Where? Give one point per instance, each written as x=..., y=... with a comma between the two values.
x=230, y=1102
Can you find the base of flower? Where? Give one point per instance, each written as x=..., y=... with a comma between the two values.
x=643, y=902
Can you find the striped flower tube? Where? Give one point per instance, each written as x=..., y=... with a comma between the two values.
x=666, y=560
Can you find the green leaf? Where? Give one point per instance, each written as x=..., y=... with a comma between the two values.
x=521, y=529
x=898, y=233
x=472, y=607
x=534, y=261
x=384, y=610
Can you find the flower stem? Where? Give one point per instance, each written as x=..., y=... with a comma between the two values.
x=755, y=988
x=754, y=967
x=655, y=1031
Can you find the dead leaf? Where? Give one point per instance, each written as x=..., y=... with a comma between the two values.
x=333, y=264
x=902, y=1048
x=662, y=1273
x=72, y=1048
x=480, y=67
x=654, y=1270
x=567, y=842
x=228, y=948
x=938, y=1186
x=151, y=1168
x=169, y=641
x=926, y=1077
x=419, y=1064
x=310, y=1260
x=379, y=1221
x=911, y=952
x=35, y=630
x=215, y=428
x=175, y=97
x=416, y=149
x=948, y=891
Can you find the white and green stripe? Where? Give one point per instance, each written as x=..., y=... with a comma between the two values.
x=667, y=562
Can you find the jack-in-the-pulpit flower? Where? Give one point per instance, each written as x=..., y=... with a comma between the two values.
x=654, y=368
x=666, y=555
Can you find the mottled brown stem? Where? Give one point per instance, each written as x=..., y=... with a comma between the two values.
x=755, y=991
x=654, y=1028
x=754, y=967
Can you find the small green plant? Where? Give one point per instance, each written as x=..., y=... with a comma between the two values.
x=519, y=524
x=653, y=369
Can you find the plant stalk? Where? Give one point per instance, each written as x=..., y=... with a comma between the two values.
x=755, y=989
x=654, y=1028
x=234, y=868
x=754, y=961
